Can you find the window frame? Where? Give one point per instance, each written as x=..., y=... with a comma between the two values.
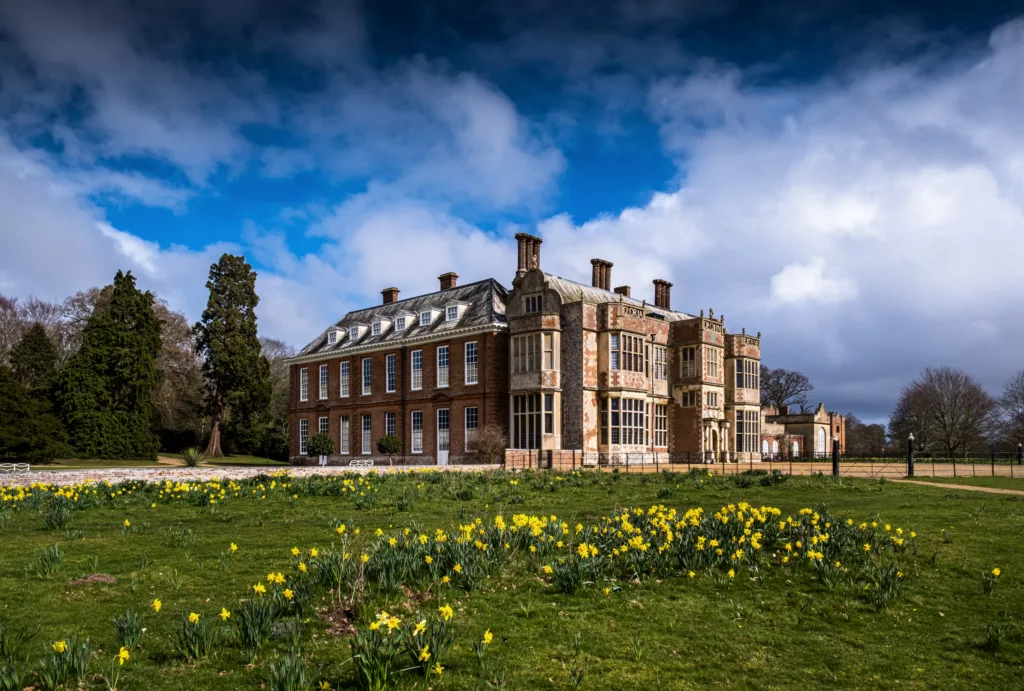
x=303, y=436
x=426, y=318
x=366, y=435
x=416, y=373
x=375, y=328
x=343, y=379
x=344, y=435
x=660, y=426
x=303, y=384
x=442, y=370
x=660, y=363
x=471, y=363
x=390, y=373
x=332, y=337
x=367, y=379
x=416, y=432
x=323, y=425
x=688, y=361
x=325, y=383
x=449, y=311
x=470, y=432
x=399, y=323
x=390, y=424
x=525, y=412
x=748, y=374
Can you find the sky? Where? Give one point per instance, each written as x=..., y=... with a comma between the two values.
x=846, y=178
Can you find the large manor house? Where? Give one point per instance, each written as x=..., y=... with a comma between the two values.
x=568, y=372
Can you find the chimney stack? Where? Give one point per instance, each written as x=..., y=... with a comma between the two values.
x=390, y=295
x=662, y=294
x=623, y=290
x=529, y=252
x=448, y=280
x=602, y=274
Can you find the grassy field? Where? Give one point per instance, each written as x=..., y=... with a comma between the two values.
x=779, y=626
x=97, y=463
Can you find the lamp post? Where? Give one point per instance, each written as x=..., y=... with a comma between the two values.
x=1020, y=452
x=910, y=455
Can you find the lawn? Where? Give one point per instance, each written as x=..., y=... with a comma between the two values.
x=92, y=463
x=1016, y=483
x=779, y=626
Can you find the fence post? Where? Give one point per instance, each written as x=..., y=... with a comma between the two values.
x=1020, y=452
x=835, y=458
x=954, y=466
x=910, y=457
x=992, y=458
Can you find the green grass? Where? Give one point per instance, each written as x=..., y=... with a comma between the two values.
x=1016, y=483
x=234, y=460
x=91, y=463
x=787, y=632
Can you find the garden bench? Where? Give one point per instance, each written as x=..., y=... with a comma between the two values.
x=361, y=463
x=14, y=467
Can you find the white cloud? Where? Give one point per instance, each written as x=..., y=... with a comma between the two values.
x=807, y=283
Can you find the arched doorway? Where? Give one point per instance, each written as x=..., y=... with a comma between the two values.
x=821, y=440
x=796, y=450
x=764, y=447
x=775, y=447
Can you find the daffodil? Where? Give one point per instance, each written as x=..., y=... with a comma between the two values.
x=123, y=656
x=424, y=654
x=193, y=618
x=996, y=572
x=488, y=637
x=288, y=594
x=157, y=605
x=224, y=614
x=234, y=547
x=59, y=647
x=446, y=612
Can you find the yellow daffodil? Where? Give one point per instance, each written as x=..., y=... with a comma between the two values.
x=157, y=605
x=302, y=566
x=224, y=614
x=438, y=669
x=59, y=647
x=193, y=618
x=420, y=628
x=446, y=612
x=295, y=551
x=288, y=594
x=996, y=572
x=123, y=656
x=234, y=547
x=424, y=654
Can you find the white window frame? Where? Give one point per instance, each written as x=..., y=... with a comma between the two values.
x=332, y=337
x=416, y=373
x=343, y=370
x=375, y=328
x=390, y=423
x=324, y=382
x=390, y=375
x=614, y=352
x=660, y=426
x=525, y=353
x=344, y=435
x=426, y=318
x=548, y=360
x=525, y=415
x=367, y=376
x=417, y=431
x=400, y=324
x=304, y=384
x=471, y=431
x=442, y=370
x=322, y=425
x=712, y=361
x=353, y=333
x=660, y=363
x=366, y=435
x=303, y=436
x=472, y=363
x=688, y=361
x=451, y=314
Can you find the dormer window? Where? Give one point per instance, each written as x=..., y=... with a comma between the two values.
x=375, y=328
x=425, y=318
x=353, y=333
x=332, y=337
x=452, y=313
x=400, y=324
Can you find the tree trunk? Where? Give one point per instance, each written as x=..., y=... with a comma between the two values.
x=213, y=449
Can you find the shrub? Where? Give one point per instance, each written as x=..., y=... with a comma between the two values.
x=389, y=445
x=320, y=444
x=489, y=443
x=192, y=456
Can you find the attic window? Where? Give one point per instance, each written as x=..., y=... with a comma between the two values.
x=452, y=314
x=425, y=318
x=353, y=333
x=400, y=324
x=375, y=329
x=332, y=337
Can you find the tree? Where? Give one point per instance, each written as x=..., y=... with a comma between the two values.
x=34, y=361
x=389, y=445
x=780, y=387
x=178, y=401
x=238, y=385
x=28, y=430
x=321, y=445
x=489, y=442
x=1011, y=405
x=106, y=390
x=862, y=438
x=945, y=408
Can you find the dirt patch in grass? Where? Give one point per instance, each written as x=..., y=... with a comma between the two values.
x=339, y=620
x=94, y=578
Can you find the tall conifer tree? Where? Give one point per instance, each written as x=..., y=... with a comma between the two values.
x=34, y=361
x=106, y=390
x=237, y=374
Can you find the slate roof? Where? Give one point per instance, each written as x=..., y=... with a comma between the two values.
x=571, y=291
x=485, y=306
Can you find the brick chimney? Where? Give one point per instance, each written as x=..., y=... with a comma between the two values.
x=662, y=294
x=448, y=280
x=529, y=252
x=390, y=295
x=602, y=274
x=623, y=290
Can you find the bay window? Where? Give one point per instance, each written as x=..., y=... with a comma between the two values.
x=526, y=421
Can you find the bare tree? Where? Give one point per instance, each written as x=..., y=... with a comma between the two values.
x=277, y=352
x=11, y=326
x=1011, y=406
x=489, y=442
x=178, y=402
x=863, y=438
x=780, y=387
x=954, y=411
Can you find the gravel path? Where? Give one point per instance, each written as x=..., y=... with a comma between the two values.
x=201, y=474
x=969, y=488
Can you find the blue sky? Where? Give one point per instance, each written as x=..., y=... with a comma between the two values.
x=846, y=178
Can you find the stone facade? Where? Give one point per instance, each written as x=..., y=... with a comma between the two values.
x=801, y=434
x=599, y=371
